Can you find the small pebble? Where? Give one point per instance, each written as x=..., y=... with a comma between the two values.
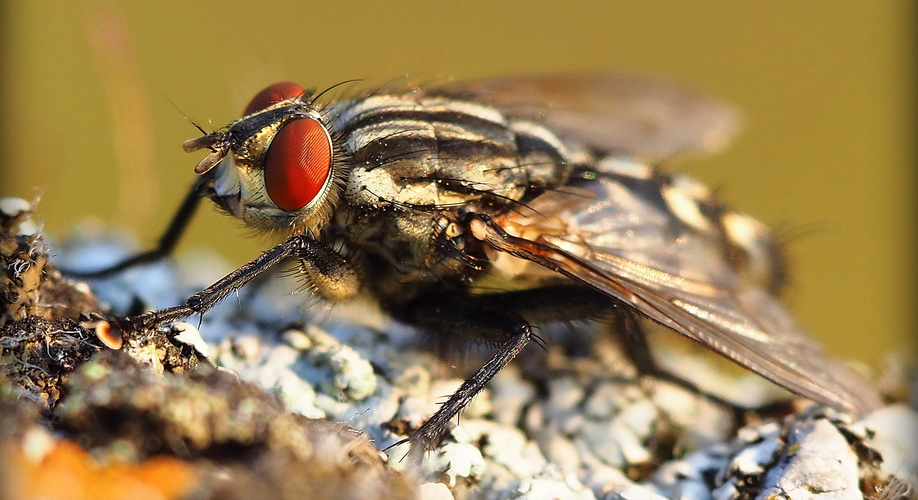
x=509, y=395
x=895, y=436
x=434, y=491
x=297, y=339
x=752, y=460
x=189, y=335
x=458, y=460
x=817, y=463
x=553, y=489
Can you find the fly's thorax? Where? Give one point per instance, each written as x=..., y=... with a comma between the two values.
x=414, y=149
x=404, y=255
x=434, y=183
x=418, y=164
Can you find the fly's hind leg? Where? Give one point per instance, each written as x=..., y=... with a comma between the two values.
x=633, y=341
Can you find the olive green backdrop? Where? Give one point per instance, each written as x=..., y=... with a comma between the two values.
x=91, y=93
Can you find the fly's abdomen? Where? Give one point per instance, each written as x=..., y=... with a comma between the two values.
x=675, y=223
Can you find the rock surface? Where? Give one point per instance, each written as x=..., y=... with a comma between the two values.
x=261, y=400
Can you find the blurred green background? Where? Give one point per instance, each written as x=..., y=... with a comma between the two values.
x=91, y=92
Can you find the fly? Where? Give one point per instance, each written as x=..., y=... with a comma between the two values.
x=478, y=209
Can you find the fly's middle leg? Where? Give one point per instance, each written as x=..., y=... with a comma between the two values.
x=500, y=319
x=474, y=318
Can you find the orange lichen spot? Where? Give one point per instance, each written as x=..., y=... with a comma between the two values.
x=109, y=336
x=67, y=471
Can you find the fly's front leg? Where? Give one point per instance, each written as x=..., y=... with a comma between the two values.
x=326, y=269
x=167, y=241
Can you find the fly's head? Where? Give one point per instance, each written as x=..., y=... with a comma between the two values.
x=278, y=167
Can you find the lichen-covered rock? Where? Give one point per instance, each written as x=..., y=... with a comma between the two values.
x=84, y=413
x=41, y=341
x=237, y=397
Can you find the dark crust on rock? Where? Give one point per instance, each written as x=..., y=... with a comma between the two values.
x=211, y=419
x=157, y=396
x=37, y=355
x=41, y=341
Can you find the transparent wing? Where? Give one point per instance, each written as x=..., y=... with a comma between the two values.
x=631, y=248
x=647, y=117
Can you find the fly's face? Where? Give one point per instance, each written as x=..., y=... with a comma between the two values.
x=276, y=167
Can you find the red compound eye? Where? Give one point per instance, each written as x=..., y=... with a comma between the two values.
x=298, y=163
x=273, y=94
